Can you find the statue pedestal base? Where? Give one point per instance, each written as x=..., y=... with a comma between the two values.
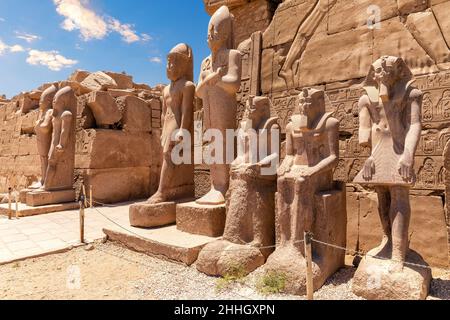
x=222, y=257
x=330, y=225
x=42, y=198
x=379, y=279
x=146, y=215
x=206, y=220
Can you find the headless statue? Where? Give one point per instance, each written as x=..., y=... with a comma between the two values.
x=390, y=123
x=177, y=181
x=219, y=82
x=61, y=157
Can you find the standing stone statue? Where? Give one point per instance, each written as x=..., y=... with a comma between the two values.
x=59, y=177
x=250, y=222
x=177, y=179
x=308, y=200
x=390, y=123
x=220, y=80
x=44, y=129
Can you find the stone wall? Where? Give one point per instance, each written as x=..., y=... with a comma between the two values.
x=120, y=160
x=335, y=54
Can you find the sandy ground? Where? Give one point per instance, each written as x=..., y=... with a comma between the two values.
x=112, y=272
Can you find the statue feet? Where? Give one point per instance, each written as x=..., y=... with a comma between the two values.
x=36, y=185
x=213, y=197
x=158, y=197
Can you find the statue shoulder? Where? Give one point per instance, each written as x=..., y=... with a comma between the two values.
x=364, y=101
x=415, y=94
x=332, y=123
x=66, y=115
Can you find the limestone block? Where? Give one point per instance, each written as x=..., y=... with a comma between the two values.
x=441, y=11
x=425, y=29
x=103, y=149
x=352, y=220
x=26, y=104
x=350, y=14
x=123, y=81
x=79, y=75
x=99, y=81
x=395, y=39
x=41, y=198
x=104, y=108
x=85, y=117
x=207, y=220
x=28, y=122
x=117, y=184
x=409, y=6
x=325, y=54
x=136, y=114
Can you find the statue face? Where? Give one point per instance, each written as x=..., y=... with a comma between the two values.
x=216, y=39
x=384, y=73
x=174, y=67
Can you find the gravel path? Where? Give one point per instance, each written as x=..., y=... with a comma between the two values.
x=113, y=272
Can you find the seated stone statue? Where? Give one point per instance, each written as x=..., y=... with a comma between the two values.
x=176, y=179
x=306, y=199
x=390, y=123
x=249, y=227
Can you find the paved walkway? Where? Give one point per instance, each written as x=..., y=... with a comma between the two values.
x=43, y=234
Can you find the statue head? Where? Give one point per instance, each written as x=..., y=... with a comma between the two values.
x=45, y=103
x=65, y=100
x=220, y=30
x=386, y=73
x=258, y=108
x=180, y=63
x=311, y=106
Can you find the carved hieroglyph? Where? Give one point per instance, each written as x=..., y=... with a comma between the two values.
x=250, y=200
x=390, y=123
x=177, y=179
x=307, y=198
x=219, y=82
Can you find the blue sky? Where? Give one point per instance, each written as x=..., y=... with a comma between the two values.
x=46, y=40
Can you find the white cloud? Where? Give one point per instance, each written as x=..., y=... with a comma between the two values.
x=145, y=37
x=78, y=16
x=4, y=48
x=156, y=60
x=51, y=59
x=2, y=20
x=28, y=37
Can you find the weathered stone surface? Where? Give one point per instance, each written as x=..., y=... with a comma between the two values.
x=99, y=81
x=42, y=198
x=104, y=108
x=167, y=242
x=222, y=257
x=117, y=184
x=122, y=80
x=145, y=215
x=27, y=211
x=441, y=10
x=426, y=31
x=350, y=14
x=79, y=75
x=130, y=150
x=136, y=114
x=26, y=103
x=380, y=279
x=207, y=220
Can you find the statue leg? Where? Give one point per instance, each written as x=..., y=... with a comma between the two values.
x=284, y=201
x=167, y=170
x=384, y=205
x=44, y=165
x=301, y=215
x=400, y=216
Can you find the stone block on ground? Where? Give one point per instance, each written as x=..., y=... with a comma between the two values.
x=145, y=215
x=136, y=114
x=167, y=242
x=123, y=81
x=42, y=198
x=207, y=220
x=27, y=211
x=380, y=279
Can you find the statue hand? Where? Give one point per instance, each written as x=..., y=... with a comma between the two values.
x=59, y=148
x=405, y=167
x=369, y=169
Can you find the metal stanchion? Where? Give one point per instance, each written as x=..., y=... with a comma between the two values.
x=9, y=204
x=309, y=272
x=81, y=202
